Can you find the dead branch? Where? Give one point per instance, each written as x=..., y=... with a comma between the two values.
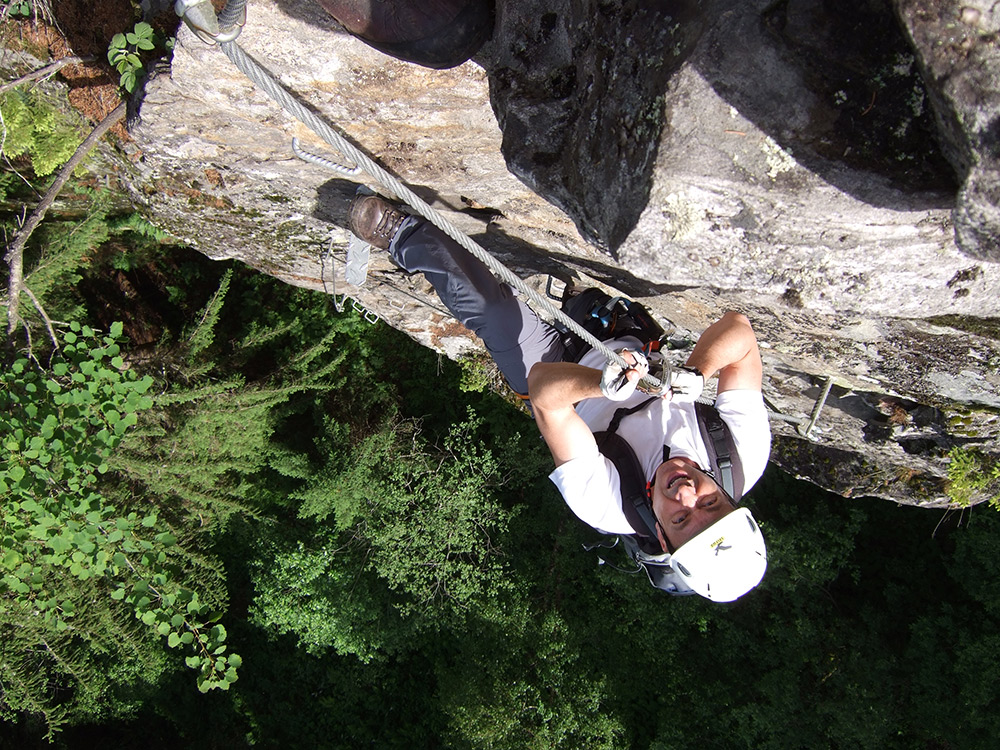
x=15, y=252
x=41, y=312
x=49, y=70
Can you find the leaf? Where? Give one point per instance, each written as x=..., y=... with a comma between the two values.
x=193, y=661
x=149, y=617
x=163, y=628
x=149, y=521
x=118, y=594
x=116, y=328
x=59, y=544
x=173, y=640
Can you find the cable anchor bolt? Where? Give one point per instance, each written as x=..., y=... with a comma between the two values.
x=199, y=15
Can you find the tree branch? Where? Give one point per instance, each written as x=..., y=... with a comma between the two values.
x=45, y=316
x=48, y=70
x=15, y=252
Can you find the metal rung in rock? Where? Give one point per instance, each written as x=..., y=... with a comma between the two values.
x=358, y=254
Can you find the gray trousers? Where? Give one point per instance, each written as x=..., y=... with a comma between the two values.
x=515, y=337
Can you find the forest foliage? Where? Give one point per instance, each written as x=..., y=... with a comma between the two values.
x=220, y=481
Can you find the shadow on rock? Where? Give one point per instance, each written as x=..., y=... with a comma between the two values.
x=836, y=85
x=578, y=91
x=581, y=93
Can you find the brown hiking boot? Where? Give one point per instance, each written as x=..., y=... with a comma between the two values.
x=432, y=33
x=375, y=220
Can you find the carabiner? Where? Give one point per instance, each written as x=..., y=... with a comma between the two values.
x=200, y=17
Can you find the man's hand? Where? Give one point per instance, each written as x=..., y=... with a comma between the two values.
x=686, y=384
x=617, y=382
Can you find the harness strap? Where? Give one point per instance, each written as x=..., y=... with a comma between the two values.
x=726, y=467
x=632, y=479
x=726, y=463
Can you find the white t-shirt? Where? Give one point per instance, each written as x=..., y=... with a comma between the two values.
x=590, y=485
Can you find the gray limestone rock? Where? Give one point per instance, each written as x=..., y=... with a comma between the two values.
x=737, y=154
x=956, y=44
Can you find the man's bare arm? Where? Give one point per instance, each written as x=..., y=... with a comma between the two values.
x=729, y=347
x=554, y=388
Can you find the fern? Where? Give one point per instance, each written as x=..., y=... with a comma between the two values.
x=36, y=129
x=65, y=250
x=204, y=333
x=137, y=223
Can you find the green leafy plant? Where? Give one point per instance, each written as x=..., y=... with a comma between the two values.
x=15, y=8
x=124, y=54
x=60, y=427
x=972, y=475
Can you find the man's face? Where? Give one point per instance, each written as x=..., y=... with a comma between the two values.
x=686, y=501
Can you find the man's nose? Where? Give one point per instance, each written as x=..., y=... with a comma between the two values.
x=686, y=496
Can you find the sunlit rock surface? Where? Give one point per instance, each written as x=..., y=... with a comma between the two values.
x=750, y=155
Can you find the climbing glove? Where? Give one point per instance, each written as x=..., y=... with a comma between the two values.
x=614, y=384
x=686, y=384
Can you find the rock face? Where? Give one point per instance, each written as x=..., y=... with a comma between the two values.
x=775, y=158
x=956, y=45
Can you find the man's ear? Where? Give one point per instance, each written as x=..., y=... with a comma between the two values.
x=663, y=540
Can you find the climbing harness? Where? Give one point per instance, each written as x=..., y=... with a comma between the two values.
x=223, y=30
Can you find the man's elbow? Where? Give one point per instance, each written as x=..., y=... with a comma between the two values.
x=535, y=378
x=736, y=319
x=540, y=386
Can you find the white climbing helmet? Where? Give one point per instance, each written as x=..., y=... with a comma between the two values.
x=724, y=561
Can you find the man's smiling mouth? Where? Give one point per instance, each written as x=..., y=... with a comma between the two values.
x=675, y=478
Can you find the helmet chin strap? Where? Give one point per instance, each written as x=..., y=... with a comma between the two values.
x=649, y=496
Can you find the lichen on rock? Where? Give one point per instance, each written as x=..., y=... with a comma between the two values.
x=700, y=157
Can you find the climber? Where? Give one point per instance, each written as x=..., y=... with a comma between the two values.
x=716, y=545
x=432, y=33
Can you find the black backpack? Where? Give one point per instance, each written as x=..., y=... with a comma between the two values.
x=606, y=318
